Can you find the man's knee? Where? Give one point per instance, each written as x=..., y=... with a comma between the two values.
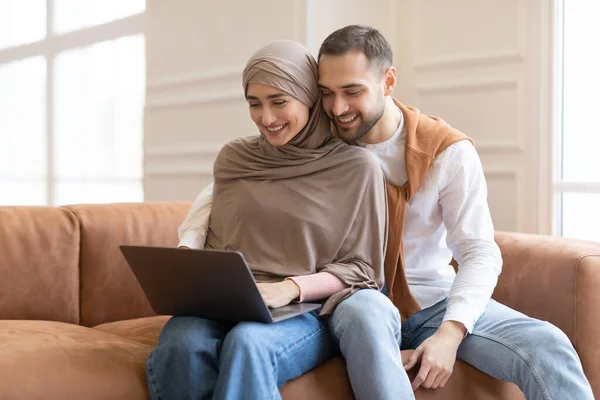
x=545, y=339
x=365, y=310
x=551, y=337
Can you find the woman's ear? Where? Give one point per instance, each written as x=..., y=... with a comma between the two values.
x=389, y=81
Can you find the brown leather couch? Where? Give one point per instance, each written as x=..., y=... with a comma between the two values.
x=74, y=324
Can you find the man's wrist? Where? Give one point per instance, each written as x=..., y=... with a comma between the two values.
x=453, y=328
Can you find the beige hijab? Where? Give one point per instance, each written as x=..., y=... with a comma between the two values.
x=312, y=205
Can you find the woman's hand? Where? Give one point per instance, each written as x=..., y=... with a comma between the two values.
x=279, y=294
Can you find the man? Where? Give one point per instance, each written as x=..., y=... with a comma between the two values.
x=437, y=187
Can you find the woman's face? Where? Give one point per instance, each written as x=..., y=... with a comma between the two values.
x=278, y=116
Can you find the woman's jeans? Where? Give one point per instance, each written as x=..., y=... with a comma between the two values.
x=197, y=358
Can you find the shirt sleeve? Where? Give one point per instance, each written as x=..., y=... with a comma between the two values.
x=192, y=232
x=470, y=234
x=317, y=286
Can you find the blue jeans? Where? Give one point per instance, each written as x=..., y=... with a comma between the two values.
x=196, y=358
x=535, y=355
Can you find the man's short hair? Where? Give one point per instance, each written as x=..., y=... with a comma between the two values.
x=364, y=39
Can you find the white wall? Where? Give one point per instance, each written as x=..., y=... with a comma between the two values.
x=482, y=65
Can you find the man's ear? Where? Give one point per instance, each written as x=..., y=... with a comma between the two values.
x=389, y=81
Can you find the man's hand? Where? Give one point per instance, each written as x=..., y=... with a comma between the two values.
x=279, y=294
x=437, y=355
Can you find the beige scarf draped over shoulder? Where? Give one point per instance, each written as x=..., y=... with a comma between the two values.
x=314, y=204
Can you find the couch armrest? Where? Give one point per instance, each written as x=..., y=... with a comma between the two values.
x=556, y=280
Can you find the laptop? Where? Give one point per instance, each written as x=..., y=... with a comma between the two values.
x=210, y=284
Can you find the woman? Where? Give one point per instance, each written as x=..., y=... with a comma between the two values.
x=298, y=204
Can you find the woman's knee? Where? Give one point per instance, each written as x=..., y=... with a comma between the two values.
x=187, y=334
x=366, y=308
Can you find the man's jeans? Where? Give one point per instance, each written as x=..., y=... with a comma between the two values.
x=505, y=344
x=197, y=358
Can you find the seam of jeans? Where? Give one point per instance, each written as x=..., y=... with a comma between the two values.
x=276, y=394
x=293, y=346
x=334, y=328
x=297, y=344
x=524, y=357
x=151, y=381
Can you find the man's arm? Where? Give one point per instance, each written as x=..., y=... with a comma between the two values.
x=470, y=236
x=192, y=232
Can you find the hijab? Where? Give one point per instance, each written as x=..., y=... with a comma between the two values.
x=312, y=205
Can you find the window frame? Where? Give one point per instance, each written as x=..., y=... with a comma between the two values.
x=53, y=44
x=561, y=186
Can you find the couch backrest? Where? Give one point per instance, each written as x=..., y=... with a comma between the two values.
x=556, y=280
x=39, y=272
x=109, y=290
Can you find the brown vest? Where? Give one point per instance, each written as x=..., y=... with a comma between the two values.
x=426, y=137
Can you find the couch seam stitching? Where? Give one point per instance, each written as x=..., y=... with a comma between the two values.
x=79, y=229
x=576, y=296
x=80, y=288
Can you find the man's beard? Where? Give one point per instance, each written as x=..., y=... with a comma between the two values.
x=353, y=134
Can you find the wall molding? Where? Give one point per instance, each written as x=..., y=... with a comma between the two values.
x=512, y=175
x=195, y=78
x=472, y=59
x=470, y=85
x=204, y=87
x=186, y=171
x=480, y=85
x=181, y=160
x=187, y=100
x=501, y=173
x=467, y=60
x=183, y=150
x=497, y=147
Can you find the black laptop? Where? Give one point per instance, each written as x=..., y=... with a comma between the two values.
x=210, y=284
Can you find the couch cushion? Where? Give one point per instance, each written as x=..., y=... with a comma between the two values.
x=109, y=290
x=143, y=330
x=54, y=360
x=39, y=255
x=330, y=381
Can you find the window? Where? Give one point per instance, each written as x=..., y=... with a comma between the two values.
x=577, y=155
x=72, y=79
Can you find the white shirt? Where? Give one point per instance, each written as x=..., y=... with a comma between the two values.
x=448, y=217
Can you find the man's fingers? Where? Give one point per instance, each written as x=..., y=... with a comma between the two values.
x=434, y=372
x=445, y=380
x=421, y=376
x=439, y=379
x=414, y=358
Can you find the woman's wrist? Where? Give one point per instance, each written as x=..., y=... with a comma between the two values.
x=292, y=288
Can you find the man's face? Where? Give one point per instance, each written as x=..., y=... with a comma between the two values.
x=353, y=93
